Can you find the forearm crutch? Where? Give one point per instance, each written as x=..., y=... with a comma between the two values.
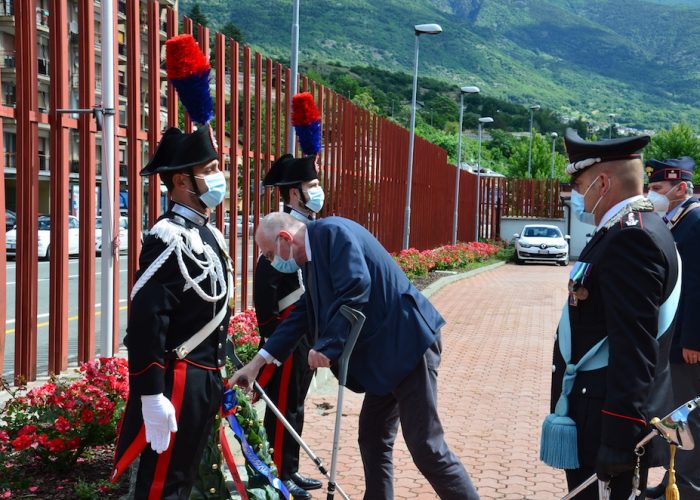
x=356, y=319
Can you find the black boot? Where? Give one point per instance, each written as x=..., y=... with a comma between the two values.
x=296, y=491
x=306, y=482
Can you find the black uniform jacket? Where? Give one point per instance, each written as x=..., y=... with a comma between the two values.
x=164, y=314
x=633, y=270
x=269, y=288
x=686, y=232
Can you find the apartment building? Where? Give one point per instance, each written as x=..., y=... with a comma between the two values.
x=8, y=75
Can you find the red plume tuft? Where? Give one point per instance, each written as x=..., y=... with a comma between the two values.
x=183, y=58
x=304, y=110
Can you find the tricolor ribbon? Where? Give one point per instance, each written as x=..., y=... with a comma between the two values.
x=229, y=406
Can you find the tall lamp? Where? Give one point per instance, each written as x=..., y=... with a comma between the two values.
x=482, y=121
x=533, y=108
x=419, y=29
x=463, y=90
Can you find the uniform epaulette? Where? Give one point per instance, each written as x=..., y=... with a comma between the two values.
x=171, y=231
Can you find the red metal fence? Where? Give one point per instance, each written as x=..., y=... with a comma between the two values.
x=363, y=163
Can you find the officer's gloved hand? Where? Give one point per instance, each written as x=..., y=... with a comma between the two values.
x=159, y=420
x=611, y=462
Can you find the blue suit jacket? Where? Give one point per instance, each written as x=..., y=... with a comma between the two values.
x=349, y=266
x=687, y=235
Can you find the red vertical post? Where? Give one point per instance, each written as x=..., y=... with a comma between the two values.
x=219, y=115
x=172, y=97
x=287, y=106
x=86, y=87
x=268, y=130
x=278, y=111
x=246, y=178
x=58, y=164
x=133, y=132
x=3, y=261
x=27, y=192
x=187, y=28
x=258, y=147
x=233, y=173
x=154, y=195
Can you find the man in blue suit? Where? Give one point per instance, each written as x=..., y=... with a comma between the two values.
x=395, y=359
x=671, y=192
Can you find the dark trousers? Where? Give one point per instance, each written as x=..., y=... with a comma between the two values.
x=685, y=379
x=620, y=486
x=287, y=388
x=414, y=404
x=171, y=474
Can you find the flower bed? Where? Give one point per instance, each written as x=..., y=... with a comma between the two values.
x=55, y=426
x=417, y=263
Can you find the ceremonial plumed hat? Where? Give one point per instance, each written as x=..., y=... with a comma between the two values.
x=674, y=169
x=287, y=171
x=582, y=154
x=178, y=150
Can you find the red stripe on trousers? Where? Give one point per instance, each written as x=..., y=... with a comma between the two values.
x=133, y=451
x=266, y=375
x=179, y=377
x=282, y=406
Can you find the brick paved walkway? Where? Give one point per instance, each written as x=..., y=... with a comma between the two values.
x=493, y=389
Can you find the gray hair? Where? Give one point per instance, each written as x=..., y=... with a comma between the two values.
x=273, y=223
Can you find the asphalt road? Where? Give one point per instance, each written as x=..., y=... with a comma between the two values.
x=43, y=309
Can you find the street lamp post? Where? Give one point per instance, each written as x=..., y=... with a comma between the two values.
x=611, y=116
x=533, y=108
x=554, y=136
x=294, y=63
x=463, y=90
x=482, y=120
x=419, y=29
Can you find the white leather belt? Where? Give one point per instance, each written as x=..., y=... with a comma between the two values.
x=290, y=299
x=191, y=344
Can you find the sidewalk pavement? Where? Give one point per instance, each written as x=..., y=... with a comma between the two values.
x=493, y=390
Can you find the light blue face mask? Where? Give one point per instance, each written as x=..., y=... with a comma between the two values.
x=578, y=204
x=316, y=199
x=216, y=189
x=287, y=266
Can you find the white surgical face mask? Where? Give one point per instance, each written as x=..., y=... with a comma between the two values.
x=287, y=266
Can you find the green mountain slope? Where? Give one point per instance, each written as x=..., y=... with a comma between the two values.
x=634, y=58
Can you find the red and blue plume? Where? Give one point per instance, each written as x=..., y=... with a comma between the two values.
x=306, y=119
x=188, y=70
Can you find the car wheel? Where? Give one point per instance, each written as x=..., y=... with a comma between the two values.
x=518, y=260
x=47, y=255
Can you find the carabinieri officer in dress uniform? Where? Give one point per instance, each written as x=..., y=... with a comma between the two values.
x=611, y=371
x=275, y=294
x=671, y=192
x=177, y=323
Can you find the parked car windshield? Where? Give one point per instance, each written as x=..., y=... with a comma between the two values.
x=542, y=232
x=44, y=223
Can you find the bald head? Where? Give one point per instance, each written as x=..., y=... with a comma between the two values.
x=277, y=227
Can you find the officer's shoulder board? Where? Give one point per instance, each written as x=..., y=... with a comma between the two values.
x=175, y=232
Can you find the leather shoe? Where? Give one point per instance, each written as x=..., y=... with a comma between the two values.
x=656, y=492
x=306, y=482
x=296, y=492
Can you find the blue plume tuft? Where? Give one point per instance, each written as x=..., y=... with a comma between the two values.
x=194, y=94
x=309, y=137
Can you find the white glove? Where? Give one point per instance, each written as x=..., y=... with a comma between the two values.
x=159, y=420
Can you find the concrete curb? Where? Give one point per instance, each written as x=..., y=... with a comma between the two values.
x=447, y=280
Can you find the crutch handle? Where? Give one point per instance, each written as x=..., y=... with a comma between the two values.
x=356, y=319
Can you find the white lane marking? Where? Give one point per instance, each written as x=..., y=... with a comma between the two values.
x=70, y=277
x=45, y=315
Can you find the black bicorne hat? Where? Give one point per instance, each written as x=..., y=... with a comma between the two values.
x=674, y=169
x=582, y=154
x=178, y=151
x=287, y=170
